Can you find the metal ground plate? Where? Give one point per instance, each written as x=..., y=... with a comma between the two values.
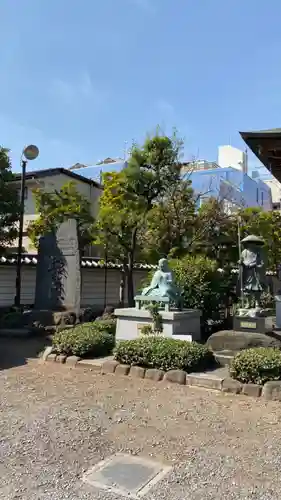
x=126, y=475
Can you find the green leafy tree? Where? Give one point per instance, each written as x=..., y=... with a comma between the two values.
x=215, y=234
x=130, y=195
x=55, y=207
x=170, y=223
x=9, y=202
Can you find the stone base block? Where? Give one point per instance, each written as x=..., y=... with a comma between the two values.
x=231, y=385
x=154, y=374
x=183, y=325
x=231, y=341
x=43, y=318
x=272, y=390
x=252, y=390
x=254, y=324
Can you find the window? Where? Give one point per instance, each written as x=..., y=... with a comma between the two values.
x=257, y=195
x=262, y=198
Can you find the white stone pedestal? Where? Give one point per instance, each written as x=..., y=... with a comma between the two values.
x=183, y=325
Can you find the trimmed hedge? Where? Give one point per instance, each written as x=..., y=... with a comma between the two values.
x=106, y=325
x=86, y=339
x=13, y=319
x=257, y=365
x=163, y=353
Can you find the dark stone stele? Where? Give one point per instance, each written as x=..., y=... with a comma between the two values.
x=58, y=276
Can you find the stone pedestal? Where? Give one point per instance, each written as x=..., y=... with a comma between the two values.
x=183, y=325
x=257, y=324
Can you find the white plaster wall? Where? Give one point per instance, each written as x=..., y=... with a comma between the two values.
x=228, y=156
x=275, y=187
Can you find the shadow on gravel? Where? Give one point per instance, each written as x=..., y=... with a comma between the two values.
x=16, y=351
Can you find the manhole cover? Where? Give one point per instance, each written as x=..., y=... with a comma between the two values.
x=126, y=475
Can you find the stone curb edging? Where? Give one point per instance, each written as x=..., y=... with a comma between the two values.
x=270, y=391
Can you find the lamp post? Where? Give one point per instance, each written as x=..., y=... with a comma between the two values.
x=29, y=153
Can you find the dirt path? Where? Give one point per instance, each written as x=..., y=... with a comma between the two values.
x=56, y=423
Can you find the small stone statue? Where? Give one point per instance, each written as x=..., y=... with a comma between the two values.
x=252, y=271
x=162, y=285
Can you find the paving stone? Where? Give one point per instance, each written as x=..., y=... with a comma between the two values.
x=109, y=366
x=231, y=385
x=175, y=376
x=253, y=390
x=47, y=352
x=137, y=371
x=204, y=380
x=72, y=360
x=61, y=358
x=154, y=374
x=51, y=357
x=272, y=390
x=122, y=369
x=126, y=475
x=90, y=364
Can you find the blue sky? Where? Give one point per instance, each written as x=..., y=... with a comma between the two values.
x=81, y=78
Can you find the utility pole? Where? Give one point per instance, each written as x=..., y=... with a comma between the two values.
x=240, y=263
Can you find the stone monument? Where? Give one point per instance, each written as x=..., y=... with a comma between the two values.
x=253, y=325
x=176, y=322
x=278, y=300
x=58, y=276
x=251, y=316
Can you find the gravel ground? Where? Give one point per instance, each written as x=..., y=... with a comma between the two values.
x=56, y=423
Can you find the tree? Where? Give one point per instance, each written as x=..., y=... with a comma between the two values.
x=9, y=202
x=130, y=195
x=215, y=233
x=55, y=207
x=170, y=224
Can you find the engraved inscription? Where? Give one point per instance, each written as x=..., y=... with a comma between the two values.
x=248, y=324
x=67, y=247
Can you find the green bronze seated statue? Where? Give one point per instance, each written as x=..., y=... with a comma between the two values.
x=162, y=288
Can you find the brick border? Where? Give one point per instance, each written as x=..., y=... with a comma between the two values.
x=270, y=391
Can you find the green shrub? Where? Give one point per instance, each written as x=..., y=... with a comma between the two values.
x=163, y=353
x=86, y=339
x=106, y=325
x=12, y=319
x=146, y=330
x=204, y=286
x=267, y=300
x=257, y=365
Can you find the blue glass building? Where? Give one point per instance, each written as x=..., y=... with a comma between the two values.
x=233, y=186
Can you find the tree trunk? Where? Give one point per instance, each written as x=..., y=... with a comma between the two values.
x=130, y=269
x=122, y=287
x=130, y=282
